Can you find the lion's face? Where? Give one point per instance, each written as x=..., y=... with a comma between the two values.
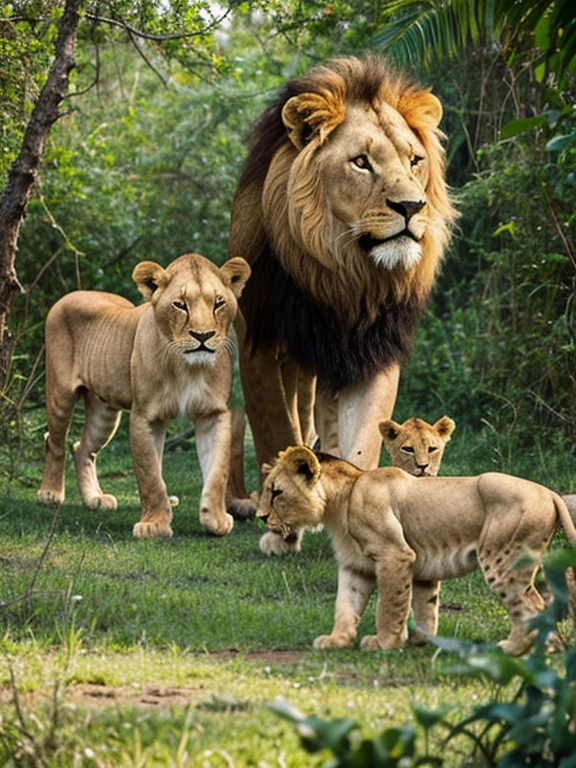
x=292, y=496
x=416, y=446
x=375, y=172
x=194, y=303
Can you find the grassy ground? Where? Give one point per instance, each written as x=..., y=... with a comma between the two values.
x=133, y=652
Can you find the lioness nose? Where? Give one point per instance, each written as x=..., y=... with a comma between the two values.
x=202, y=337
x=406, y=208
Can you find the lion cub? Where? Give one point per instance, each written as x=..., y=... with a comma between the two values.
x=404, y=534
x=167, y=356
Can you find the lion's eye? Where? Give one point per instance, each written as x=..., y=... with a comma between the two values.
x=415, y=160
x=407, y=449
x=362, y=162
x=181, y=305
x=432, y=448
x=218, y=303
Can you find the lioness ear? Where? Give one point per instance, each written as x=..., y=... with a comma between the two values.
x=148, y=277
x=302, y=461
x=310, y=114
x=389, y=430
x=444, y=427
x=234, y=274
x=421, y=110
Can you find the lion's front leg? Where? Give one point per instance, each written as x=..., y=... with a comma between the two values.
x=425, y=601
x=213, y=438
x=146, y=445
x=354, y=591
x=361, y=408
x=394, y=576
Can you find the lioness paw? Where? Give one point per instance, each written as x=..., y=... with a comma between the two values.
x=333, y=641
x=274, y=544
x=371, y=643
x=104, y=501
x=216, y=526
x=151, y=530
x=50, y=498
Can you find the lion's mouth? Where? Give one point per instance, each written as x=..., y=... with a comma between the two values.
x=367, y=242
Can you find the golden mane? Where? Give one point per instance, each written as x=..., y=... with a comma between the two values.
x=281, y=197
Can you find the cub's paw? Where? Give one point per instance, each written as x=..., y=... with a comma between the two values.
x=50, y=498
x=371, y=643
x=274, y=544
x=241, y=509
x=104, y=501
x=216, y=526
x=333, y=641
x=151, y=530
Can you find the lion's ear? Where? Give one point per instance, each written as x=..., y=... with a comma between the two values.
x=148, y=277
x=234, y=274
x=310, y=114
x=389, y=430
x=444, y=427
x=421, y=110
x=302, y=461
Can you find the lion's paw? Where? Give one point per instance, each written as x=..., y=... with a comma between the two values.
x=151, y=530
x=273, y=544
x=333, y=641
x=104, y=501
x=216, y=526
x=50, y=498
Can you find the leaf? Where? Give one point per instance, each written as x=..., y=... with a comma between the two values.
x=560, y=143
x=515, y=127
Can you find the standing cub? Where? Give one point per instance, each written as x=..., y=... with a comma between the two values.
x=167, y=356
x=404, y=534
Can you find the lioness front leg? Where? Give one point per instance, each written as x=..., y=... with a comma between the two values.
x=354, y=591
x=213, y=439
x=146, y=445
x=394, y=575
x=425, y=602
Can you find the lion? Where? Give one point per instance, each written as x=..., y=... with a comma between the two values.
x=169, y=355
x=403, y=534
x=343, y=213
x=416, y=446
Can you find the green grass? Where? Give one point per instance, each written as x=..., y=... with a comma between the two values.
x=165, y=652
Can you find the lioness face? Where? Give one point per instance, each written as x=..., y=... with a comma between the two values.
x=416, y=446
x=292, y=496
x=375, y=173
x=194, y=306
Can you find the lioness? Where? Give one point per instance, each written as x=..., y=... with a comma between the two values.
x=167, y=356
x=403, y=534
x=416, y=446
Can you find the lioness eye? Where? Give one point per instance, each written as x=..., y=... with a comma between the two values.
x=407, y=449
x=180, y=305
x=415, y=159
x=218, y=303
x=362, y=162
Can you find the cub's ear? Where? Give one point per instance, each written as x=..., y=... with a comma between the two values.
x=234, y=274
x=389, y=430
x=314, y=114
x=300, y=460
x=444, y=427
x=148, y=277
x=266, y=468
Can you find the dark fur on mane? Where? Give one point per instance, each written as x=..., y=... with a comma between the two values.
x=276, y=310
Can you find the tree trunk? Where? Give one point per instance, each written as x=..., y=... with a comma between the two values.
x=24, y=171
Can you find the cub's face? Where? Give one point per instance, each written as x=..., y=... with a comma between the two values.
x=194, y=303
x=416, y=446
x=292, y=496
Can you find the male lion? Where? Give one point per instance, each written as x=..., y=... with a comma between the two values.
x=416, y=446
x=403, y=534
x=167, y=356
x=343, y=213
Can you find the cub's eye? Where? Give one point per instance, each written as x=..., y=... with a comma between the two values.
x=362, y=162
x=181, y=305
x=415, y=159
x=276, y=492
x=407, y=449
x=432, y=449
x=219, y=302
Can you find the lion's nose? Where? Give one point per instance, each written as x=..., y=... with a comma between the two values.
x=406, y=208
x=202, y=337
